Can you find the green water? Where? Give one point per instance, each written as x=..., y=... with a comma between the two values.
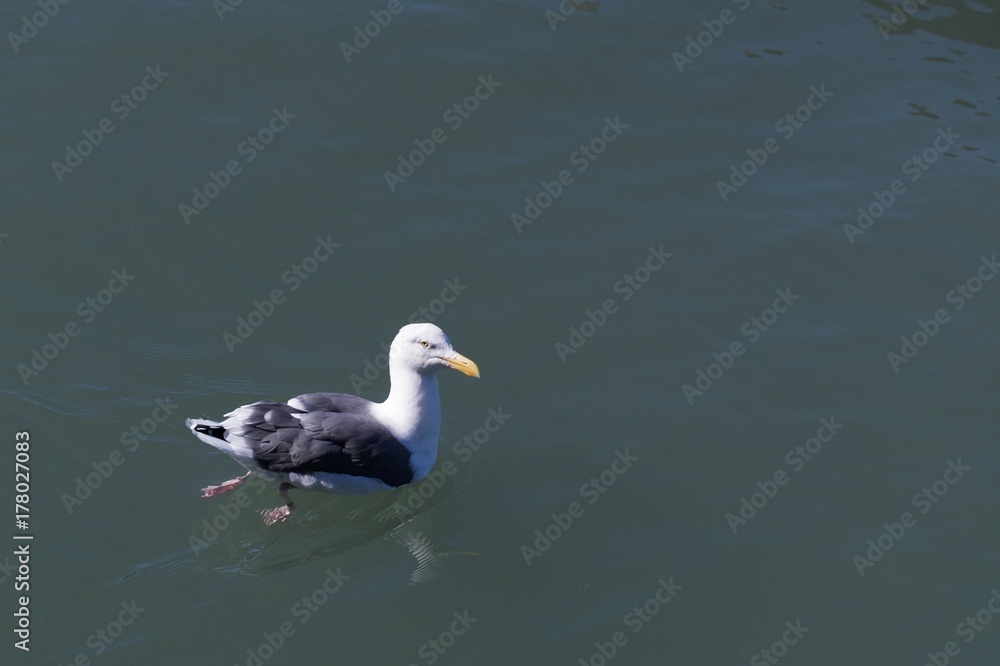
x=732, y=297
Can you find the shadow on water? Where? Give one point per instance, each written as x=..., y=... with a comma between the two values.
x=396, y=536
x=972, y=23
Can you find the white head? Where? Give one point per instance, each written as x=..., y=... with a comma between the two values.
x=425, y=349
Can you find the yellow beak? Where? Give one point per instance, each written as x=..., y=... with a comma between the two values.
x=464, y=365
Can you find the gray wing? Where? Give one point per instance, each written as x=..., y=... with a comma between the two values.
x=321, y=432
x=330, y=402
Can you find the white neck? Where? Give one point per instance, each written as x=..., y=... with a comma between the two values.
x=412, y=412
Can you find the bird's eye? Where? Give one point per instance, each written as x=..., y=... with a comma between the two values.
x=424, y=343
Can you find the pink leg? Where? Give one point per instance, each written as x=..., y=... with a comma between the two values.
x=226, y=486
x=277, y=515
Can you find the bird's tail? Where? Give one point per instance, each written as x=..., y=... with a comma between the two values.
x=213, y=434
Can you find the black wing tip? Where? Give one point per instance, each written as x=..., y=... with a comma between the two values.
x=217, y=432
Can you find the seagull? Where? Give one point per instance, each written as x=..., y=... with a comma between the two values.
x=342, y=443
